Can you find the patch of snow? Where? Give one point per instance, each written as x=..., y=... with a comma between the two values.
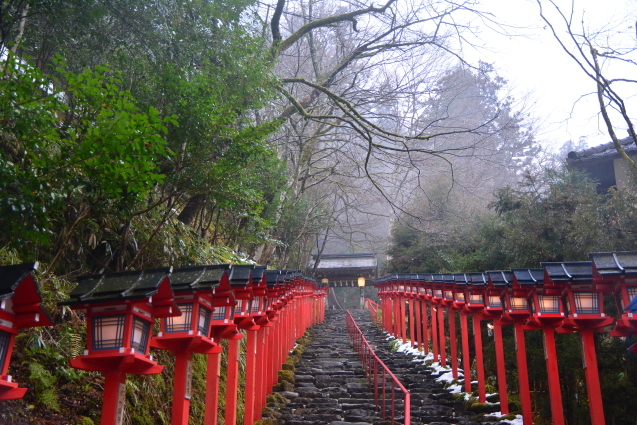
x=498, y=415
x=455, y=389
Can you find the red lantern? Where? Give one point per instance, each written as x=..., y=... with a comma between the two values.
x=120, y=311
x=462, y=281
x=475, y=304
x=583, y=299
x=499, y=281
x=619, y=270
x=20, y=307
x=526, y=284
x=476, y=290
x=190, y=332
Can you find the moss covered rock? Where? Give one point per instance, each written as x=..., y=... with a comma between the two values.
x=286, y=375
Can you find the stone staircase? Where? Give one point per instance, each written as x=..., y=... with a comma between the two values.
x=330, y=386
x=430, y=402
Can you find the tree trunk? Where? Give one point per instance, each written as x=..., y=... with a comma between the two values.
x=192, y=209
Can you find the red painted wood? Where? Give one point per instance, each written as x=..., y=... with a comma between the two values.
x=112, y=381
x=453, y=344
x=442, y=341
x=251, y=373
x=477, y=336
x=402, y=319
x=592, y=378
x=232, y=382
x=425, y=326
x=466, y=359
x=412, y=314
x=555, y=393
x=434, y=331
x=212, y=389
x=181, y=404
x=500, y=365
x=418, y=320
x=523, y=374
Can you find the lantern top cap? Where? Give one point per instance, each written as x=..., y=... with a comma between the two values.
x=448, y=278
x=477, y=279
x=241, y=275
x=574, y=271
x=12, y=276
x=272, y=277
x=17, y=282
x=258, y=272
x=614, y=263
x=198, y=278
x=529, y=276
x=500, y=278
x=460, y=278
x=121, y=286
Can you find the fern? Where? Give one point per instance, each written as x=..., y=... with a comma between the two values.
x=44, y=381
x=49, y=398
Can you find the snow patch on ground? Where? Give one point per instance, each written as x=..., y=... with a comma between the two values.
x=498, y=415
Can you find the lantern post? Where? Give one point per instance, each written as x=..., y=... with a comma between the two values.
x=361, y=287
x=459, y=302
x=120, y=311
x=419, y=291
x=429, y=295
x=447, y=302
x=410, y=298
x=382, y=294
x=424, y=315
x=393, y=293
x=190, y=332
x=240, y=283
x=402, y=316
x=222, y=327
x=266, y=339
x=20, y=307
x=391, y=303
x=438, y=281
x=584, y=301
x=548, y=313
x=475, y=304
x=526, y=282
x=498, y=283
x=255, y=347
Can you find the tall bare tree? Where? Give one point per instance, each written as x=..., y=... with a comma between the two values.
x=596, y=51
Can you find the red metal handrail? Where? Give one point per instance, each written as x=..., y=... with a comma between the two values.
x=379, y=376
x=374, y=311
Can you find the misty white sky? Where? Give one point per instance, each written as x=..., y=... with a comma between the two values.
x=533, y=62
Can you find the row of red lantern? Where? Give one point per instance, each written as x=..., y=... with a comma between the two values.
x=563, y=297
x=198, y=307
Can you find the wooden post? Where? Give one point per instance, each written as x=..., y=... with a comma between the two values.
x=442, y=342
x=500, y=365
x=523, y=374
x=477, y=336
x=453, y=344
x=595, y=404
x=466, y=359
x=555, y=392
x=232, y=382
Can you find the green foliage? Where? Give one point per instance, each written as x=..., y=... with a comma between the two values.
x=76, y=139
x=44, y=386
x=556, y=215
x=393, y=344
